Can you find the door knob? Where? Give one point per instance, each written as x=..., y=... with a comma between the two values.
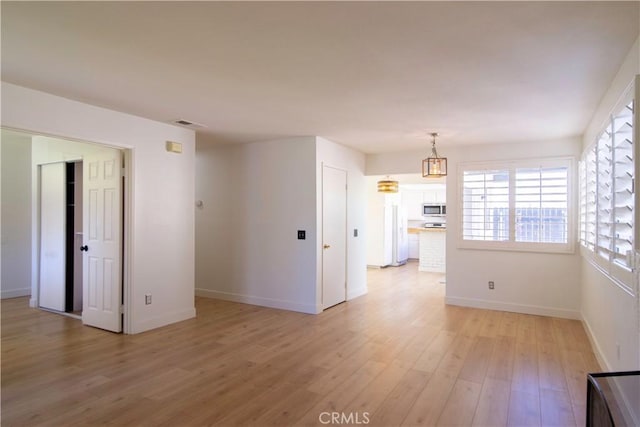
x=84, y=248
x=326, y=246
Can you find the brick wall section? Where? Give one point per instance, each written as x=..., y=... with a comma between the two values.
x=432, y=251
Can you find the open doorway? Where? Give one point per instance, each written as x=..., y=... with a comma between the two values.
x=77, y=231
x=420, y=237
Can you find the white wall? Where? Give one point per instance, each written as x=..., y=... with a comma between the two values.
x=255, y=198
x=162, y=185
x=536, y=283
x=16, y=215
x=611, y=314
x=526, y=282
x=336, y=155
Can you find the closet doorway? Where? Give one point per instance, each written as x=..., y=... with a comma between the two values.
x=81, y=230
x=61, y=237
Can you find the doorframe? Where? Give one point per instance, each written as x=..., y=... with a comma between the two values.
x=127, y=226
x=346, y=234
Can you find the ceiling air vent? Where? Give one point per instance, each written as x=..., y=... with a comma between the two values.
x=188, y=123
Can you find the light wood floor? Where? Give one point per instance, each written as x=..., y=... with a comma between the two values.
x=397, y=356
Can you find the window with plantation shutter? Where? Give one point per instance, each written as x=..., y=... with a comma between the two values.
x=541, y=205
x=590, y=176
x=582, y=204
x=607, y=194
x=604, y=194
x=485, y=205
x=587, y=177
x=623, y=183
x=517, y=205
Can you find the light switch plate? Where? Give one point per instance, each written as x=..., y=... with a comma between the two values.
x=174, y=147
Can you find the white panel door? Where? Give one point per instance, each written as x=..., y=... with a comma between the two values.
x=334, y=236
x=102, y=235
x=52, y=236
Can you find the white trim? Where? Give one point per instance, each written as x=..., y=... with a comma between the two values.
x=355, y=293
x=597, y=350
x=615, y=281
x=163, y=320
x=515, y=308
x=261, y=301
x=127, y=255
x=488, y=245
x=15, y=293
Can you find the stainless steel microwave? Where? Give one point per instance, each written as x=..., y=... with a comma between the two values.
x=434, y=209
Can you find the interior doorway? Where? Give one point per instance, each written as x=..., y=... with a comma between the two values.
x=420, y=236
x=79, y=204
x=81, y=244
x=334, y=236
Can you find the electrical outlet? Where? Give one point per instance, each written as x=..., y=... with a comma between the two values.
x=147, y=299
x=491, y=284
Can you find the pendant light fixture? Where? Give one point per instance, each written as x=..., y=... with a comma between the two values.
x=434, y=166
x=387, y=185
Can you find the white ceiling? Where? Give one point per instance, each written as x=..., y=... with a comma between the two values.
x=377, y=76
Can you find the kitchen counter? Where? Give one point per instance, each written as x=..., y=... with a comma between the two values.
x=417, y=230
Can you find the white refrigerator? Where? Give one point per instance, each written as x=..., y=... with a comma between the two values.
x=399, y=237
x=387, y=239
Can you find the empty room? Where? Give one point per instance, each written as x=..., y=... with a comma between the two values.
x=320, y=213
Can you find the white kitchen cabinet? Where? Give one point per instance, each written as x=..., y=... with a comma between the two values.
x=438, y=195
x=413, y=201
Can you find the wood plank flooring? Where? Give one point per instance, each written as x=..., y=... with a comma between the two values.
x=397, y=356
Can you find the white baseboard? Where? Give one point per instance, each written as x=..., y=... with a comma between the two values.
x=431, y=270
x=165, y=319
x=15, y=293
x=254, y=300
x=516, y=308
x=606, y=367
x=355, y=293
x=602, y=360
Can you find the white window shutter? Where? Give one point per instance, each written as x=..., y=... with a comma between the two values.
x=485, y=205
x=541, y=204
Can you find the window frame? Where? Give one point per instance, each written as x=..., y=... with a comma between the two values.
x=511, y=244
x=622, y=276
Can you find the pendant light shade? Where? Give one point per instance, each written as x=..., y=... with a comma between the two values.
x=434, y=166
x=387, y=185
